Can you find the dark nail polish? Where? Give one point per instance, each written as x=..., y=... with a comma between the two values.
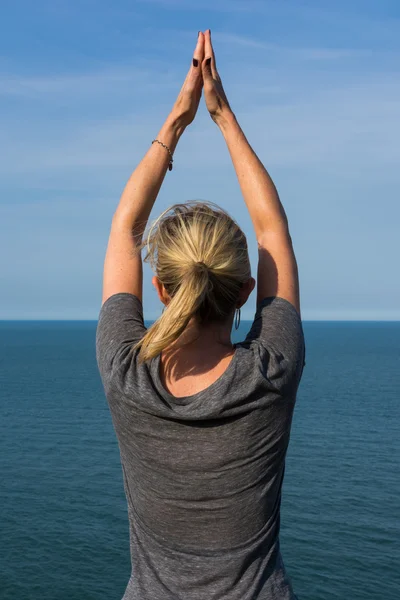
x=195, y=62
x=208, y=62
x=198, y=34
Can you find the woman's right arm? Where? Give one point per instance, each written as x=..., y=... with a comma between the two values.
x=277, y=267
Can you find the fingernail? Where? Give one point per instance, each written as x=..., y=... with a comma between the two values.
x=208, y=62
x=195, y=62
x=198, y=34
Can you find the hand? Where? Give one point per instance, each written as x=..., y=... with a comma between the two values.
x=215, y=97
x=187, y=103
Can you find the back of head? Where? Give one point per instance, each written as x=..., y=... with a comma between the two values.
x=200, y=255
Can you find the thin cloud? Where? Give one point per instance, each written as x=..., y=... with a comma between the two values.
x=151, y=75
x=343, y=126
x=229, y=6
x=293, y=51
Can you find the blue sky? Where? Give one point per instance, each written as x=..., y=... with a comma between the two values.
x=85, y=86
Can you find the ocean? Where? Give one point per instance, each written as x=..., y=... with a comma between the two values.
x=64, y=528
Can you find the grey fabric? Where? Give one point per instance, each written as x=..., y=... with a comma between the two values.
x=203, y=474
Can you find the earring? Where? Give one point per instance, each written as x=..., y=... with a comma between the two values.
x=237, y=318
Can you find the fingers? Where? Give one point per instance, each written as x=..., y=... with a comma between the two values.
x=194, y=77
x=199, y=50
x=209, y=52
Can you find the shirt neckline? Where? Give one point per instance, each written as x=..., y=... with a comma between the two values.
x=209, y=389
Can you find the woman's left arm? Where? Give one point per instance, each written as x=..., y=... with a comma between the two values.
x=123, y=263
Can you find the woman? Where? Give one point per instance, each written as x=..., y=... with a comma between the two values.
x=202, y=424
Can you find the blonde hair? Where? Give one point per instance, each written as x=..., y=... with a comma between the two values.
x=200, y=255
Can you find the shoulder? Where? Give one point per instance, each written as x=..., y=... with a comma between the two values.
x=120, y=326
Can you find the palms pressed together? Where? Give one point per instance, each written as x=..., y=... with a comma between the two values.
x=202, y=74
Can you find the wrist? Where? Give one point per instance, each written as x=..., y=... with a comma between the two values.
x=226, y=121
x=171, y=132
x=175, y=124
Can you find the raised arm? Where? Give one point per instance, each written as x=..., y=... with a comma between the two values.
x=277, y=273
x=277, y=267
x=123, y=263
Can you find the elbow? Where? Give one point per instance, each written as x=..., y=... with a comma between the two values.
x=277, y=229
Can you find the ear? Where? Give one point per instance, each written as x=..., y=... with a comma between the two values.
x=246, y=290
x=162, y=294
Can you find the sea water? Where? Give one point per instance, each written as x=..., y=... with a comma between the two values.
x=64, y=528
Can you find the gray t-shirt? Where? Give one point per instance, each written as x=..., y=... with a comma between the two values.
x=203, y=474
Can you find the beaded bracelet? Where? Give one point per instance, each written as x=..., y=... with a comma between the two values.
x=170, y=153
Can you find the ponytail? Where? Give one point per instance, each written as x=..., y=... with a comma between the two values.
x=176, y=316
x=200, y=256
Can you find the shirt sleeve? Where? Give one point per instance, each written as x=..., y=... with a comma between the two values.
x=120, y=325
x=277, y=329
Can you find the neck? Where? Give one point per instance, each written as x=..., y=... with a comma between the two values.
x=200, y=336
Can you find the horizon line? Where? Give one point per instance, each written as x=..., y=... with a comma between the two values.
x=243, y=320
